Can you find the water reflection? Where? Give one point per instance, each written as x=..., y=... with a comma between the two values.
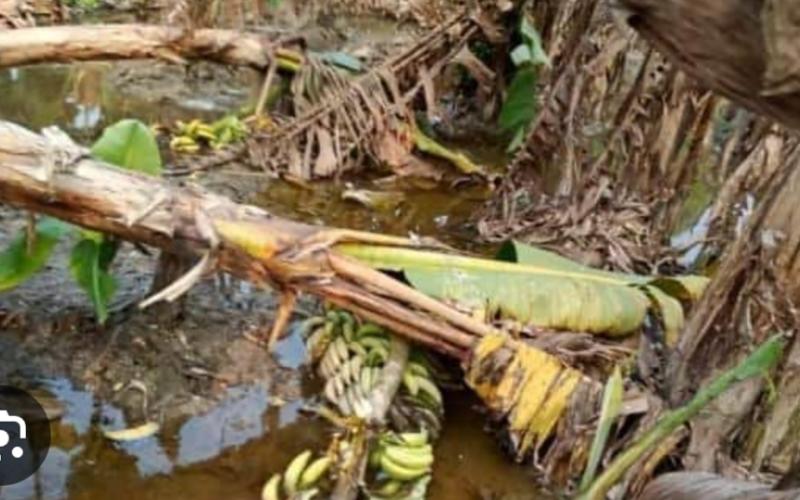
x=84, y=98
x=84, y=464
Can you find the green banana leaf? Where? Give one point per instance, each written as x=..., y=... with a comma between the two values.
x=537, y=287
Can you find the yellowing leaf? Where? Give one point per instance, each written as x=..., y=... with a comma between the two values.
x=531, y=388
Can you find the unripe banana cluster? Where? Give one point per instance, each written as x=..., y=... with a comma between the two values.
x=419, y=404
x=300, y=480
x=191, y=136
x=349, y=357
x=400, y=461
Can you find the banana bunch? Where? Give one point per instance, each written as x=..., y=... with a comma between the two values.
x=228, y=130
x=300, y=479
x=350, y=358
x=191, y=136
x=420, y=402
x=400, y=461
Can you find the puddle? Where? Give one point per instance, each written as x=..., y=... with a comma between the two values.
x=84, y=98
x=435, y=211
x=229, y=450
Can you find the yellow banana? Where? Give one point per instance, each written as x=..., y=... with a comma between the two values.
x=291, y=479
x=410, y=382
x=314, y=472
x=270, y=490
x=341, y=350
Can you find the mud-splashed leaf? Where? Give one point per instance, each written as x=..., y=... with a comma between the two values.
x=531, y=388
x=129, y=144
x=21, y=260
x=89, y=266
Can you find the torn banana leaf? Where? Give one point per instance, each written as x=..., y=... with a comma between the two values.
x=531, y=388
x=538, y=288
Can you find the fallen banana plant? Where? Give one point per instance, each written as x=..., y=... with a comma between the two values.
x=539, y=394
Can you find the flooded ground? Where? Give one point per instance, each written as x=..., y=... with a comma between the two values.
x=230, y=414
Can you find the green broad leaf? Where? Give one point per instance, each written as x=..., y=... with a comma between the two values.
x=129, y=144
x=18, y=262
x=532, y=286
x=534, y=42
x=538, y=295
x=520, y=106
x=342, y=60
x=664, y=292
x=521, y=55
x=89, y=266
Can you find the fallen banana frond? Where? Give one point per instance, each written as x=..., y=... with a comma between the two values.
x=535, y=391
x=340, y=121
x=529, y=388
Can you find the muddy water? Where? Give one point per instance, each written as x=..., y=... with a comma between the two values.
x=251, y=430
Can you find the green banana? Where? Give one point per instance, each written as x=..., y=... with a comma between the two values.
x=291, y=479
x=400, y=471
x=418, y=369
x=377, y=356
x=365, y=379
x=414, y=438
x=341, y=351
x=389, y=488
x=317, y=344
x=429, y=388
x=357, y=349
x=411, y=457
x=373, y=343
x=314, y=472
x=311, y=324
x=270, y=490
x=369, y=329
x=410, y=382
x=333, y=317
